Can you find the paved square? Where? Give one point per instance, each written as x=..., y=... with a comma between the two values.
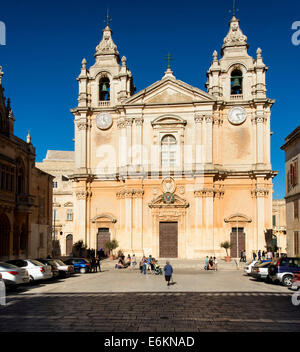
x=125, y=300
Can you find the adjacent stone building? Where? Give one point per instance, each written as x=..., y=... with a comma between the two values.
x=25, y=193
x=279, y=225
x=60, y=164
x=292, y=157
x=174, y=170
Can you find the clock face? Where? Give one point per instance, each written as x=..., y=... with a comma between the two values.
x=237, y=115
x=104, y=120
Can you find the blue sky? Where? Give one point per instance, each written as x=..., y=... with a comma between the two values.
x=46, y=41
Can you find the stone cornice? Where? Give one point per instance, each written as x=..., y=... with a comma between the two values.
x=130, y=193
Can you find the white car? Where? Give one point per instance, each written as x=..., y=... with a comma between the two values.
x=63, y=268
x=12, y=275
x=37, y=271
x=249, y=265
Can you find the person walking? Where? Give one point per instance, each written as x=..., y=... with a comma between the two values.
x=133, y=261
x=263, y=255
x=259, y=255
x=168, y=272
x=254, y=255
x=93, y=265
x=206, y=263
x=98, y=265
x=215, y=263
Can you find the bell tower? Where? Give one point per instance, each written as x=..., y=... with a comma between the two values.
x=238, y=79
x=108, y=81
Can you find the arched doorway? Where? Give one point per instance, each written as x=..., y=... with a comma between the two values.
x=69, y=244
x=4, y=235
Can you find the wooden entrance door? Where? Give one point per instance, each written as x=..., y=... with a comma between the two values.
x=238, y=242
x=102, y=237
x=168, y=239
x=69, y=244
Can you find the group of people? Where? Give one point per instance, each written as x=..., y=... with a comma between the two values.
x=95, y=265
x=211, y=263
x=262, y=255
x=129, y=262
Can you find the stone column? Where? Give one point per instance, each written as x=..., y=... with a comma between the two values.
x=122, y=144
x=81, y=196
x=138, y=140
x=198, y=144
x=129, y=122
x=198, y=219
x=260, y=194
x=81, y=143
x=137, y=246
x=128, y=218
x=209, y=139
x=209, y=215
x=260, y=138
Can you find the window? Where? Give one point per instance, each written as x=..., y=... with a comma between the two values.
x=274, y=220
x=293, y=175
x=296, y=209
x=55, y=184
x=6, y=178
x=168, y=151
x=104, y=89
x=296, y=243
x=41, y=240
x=20, y=177
x=236, y=82
x=70, y=214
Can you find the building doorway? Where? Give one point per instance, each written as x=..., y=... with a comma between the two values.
x=103, y=236
x=238, y=241
x=168, y=239
x=4, y=235
x=69, y=244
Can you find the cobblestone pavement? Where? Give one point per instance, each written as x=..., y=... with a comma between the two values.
x=87, y=303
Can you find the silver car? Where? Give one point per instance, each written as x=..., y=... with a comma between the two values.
x=12, y=275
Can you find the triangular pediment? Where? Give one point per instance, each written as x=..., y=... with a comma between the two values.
x=175, y=202
x=169, y=91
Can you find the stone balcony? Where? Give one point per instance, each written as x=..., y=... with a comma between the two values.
x=234, y=97
x=25, y=200
x=104, y=104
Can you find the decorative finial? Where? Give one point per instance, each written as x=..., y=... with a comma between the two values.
x=28, y=138
x=83, y=63
x=258, y=53
x=169, y=59
x=108, y=19
x=124, y=61
x=1, y=74
x=234, y=9
x=215, y=55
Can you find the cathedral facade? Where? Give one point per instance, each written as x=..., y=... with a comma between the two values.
x=173, y=170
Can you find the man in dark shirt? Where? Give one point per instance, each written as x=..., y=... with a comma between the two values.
x=168, y=272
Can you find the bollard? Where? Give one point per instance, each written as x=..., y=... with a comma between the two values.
x=2, y=293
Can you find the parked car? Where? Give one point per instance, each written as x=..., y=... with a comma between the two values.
x=260, y=271
x=36, y=270
x=53, y=265
x=81, y=265
x=296, y=282
x=283, y=270
x=13, y=275
x=250, y=265
x=64, y=269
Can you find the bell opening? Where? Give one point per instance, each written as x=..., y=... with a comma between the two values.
x=104, y=87
x=236, y=82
